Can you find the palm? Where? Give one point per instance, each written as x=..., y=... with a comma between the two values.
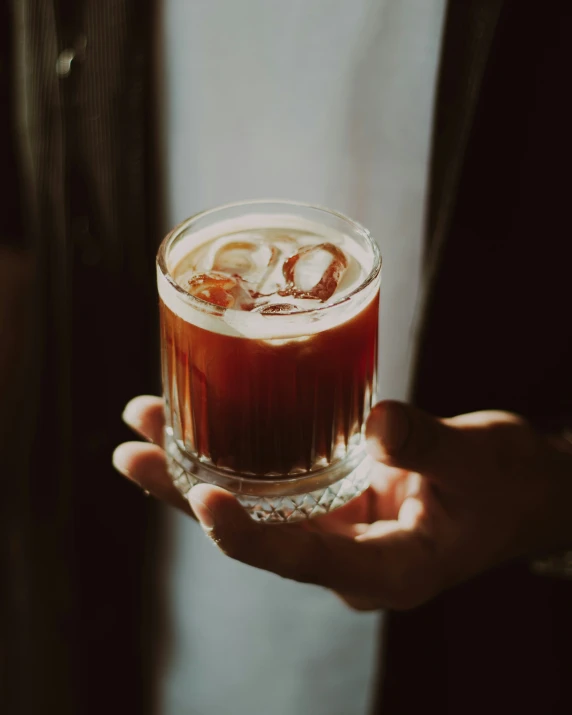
x=380, y=502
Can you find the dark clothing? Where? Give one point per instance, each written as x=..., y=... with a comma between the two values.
x=77, y=626
x=497, y=335
x=76, y=630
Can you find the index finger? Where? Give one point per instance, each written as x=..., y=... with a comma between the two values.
x=145, y=464
x=145, y=415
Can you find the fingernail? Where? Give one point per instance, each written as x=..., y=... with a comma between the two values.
x=131, y=415
x=118, y=461
x=203, y=514
x=387, y=430
x=119, y=464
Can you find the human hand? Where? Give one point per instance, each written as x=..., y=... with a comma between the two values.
x=450, y=498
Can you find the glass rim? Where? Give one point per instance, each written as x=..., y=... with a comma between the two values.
x=205, y=306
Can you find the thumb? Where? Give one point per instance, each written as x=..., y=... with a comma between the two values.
x=405, y=437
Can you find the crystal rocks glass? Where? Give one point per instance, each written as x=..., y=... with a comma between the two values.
x=271, y=407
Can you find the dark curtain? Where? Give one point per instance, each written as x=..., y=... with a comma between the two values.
x=79, y=621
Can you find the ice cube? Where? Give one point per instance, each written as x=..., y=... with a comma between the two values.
x=220, y=289
x=314, y=271
x=248, y=259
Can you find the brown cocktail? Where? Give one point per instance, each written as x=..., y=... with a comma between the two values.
x=269, y=315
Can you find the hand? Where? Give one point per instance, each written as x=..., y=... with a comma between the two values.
x=450, y=499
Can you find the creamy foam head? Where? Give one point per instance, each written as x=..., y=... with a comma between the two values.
x=256, y=246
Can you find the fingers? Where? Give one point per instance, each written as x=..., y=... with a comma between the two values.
x=145, y=414
x=403, y=436
x=367, y=569
x=145, y=464
x=287, y=550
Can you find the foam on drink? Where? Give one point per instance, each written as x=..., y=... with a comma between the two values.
x=257, y=276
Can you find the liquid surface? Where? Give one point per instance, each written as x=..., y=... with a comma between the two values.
x=270, y=271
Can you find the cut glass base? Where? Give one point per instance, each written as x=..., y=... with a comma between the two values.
x=310, y=496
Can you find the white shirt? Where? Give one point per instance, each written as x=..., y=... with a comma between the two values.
x=327, y=102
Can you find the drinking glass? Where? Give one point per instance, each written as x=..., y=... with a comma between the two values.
x=271, y=407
